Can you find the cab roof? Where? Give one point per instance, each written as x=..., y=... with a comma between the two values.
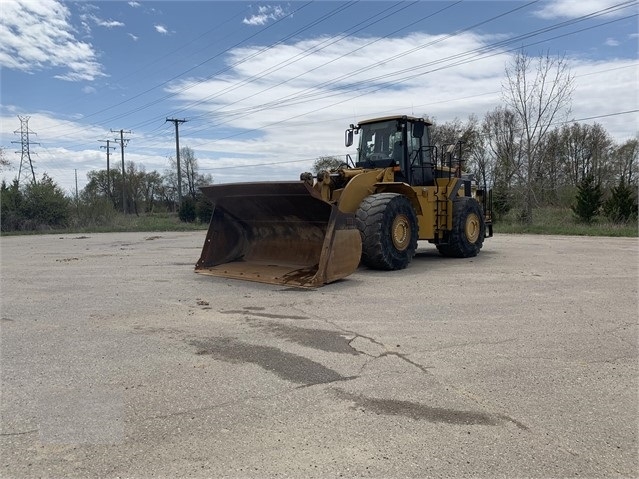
x=394, y=117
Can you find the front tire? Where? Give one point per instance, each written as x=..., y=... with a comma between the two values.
x=469, y=229
x=388, y=226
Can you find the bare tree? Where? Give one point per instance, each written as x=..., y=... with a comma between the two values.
x=4, y=162
x=452, y=132
x=502, y=135
x=539, y=91
x=324, y=163
x=551, y=171
x=192, y=180
x=625, y=159
x=585, y=150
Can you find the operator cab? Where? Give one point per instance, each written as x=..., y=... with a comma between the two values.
x=400, y=141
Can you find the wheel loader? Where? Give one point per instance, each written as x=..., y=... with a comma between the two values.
x=373, y=210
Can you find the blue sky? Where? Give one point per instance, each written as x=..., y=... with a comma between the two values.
x=269, y=87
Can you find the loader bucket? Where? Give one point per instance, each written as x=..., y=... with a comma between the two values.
x=278, y=233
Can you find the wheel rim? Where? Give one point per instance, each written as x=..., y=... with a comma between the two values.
x=473, y=227
x=400, y=232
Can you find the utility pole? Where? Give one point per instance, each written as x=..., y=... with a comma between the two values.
x=24, y=141
x=108, y=148
x=123, y=142
x=77, y=199
x=176, y=122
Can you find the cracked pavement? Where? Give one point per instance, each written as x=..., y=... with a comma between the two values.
x=117, y=360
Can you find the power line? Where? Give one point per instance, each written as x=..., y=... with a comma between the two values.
x=597, y=116
x=313, y=50
x=145, y=67
x=307, y=52
x=312, y=159
x=314, y=94
x=487, y=49
x=290, y=100
x=472, y=55
x=301, y=99
x=175, y=77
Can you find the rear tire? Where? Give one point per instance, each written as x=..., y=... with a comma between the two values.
x=469, y=229
x=388, y=226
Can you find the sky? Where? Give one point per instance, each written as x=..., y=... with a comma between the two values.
x=267, y=88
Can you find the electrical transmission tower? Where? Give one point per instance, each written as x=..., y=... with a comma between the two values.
x=24, y=141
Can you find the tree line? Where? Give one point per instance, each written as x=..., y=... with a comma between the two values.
x=525, y=150
x=571, y=157
x=44, y=205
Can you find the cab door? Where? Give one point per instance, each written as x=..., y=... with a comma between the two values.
x=420, y=158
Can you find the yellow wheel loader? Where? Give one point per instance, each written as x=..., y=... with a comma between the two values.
x=314, y=231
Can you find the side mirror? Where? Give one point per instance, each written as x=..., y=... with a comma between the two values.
x=348, y=137
x=418, y=129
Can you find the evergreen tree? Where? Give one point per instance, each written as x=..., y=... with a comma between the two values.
x=11, y=200
x=187, y=211
x=589, y=199
x=204, y=209
x=621, y=205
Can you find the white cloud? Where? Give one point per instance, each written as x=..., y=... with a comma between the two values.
x=89, y=16
x=265, y=14
x=88, y=89
x=63, y=146
x=611, y=42
x=135, y=38
x=134, y=4
x=38, y=35
x=390, y=71
x=313, y=99
x=107, y=23
x=296, y=111
x=161, y=29
x=577, y=8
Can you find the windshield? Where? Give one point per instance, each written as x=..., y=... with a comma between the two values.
x=378, y=139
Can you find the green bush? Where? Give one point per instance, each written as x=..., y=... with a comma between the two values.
x=187, y=211
x=621, y=207
x=95, y=213
x=204, y=209
x=45, y=205
x=502, y=202
x=589, y=200
x=40, y=205
x=11, y=200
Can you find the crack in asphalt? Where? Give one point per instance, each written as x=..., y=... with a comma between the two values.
x=308, y=373
x=30, y=431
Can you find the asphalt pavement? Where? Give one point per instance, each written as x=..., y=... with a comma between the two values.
x=117, y=360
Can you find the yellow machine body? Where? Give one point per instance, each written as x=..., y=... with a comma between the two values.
x=315, y=231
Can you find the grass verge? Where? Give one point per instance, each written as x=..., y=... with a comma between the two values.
x=549, y=221
x=561, y=221
x=125, y=223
